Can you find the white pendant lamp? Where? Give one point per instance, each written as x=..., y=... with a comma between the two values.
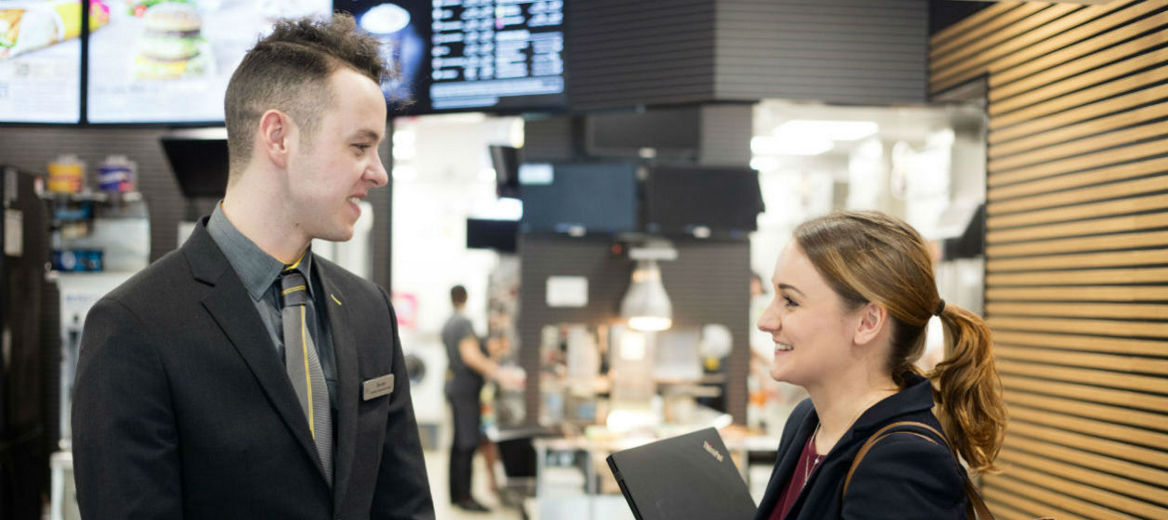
x=646, y=306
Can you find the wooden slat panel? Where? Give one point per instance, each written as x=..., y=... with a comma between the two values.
x=1066, y=489
x=1093, y=310
x=1095, y=126
x=1098, y=276
x=1097, y=159
x=1079, y=196
x=945, y=78
x=1128, y=346
x=1048, y=80
x=1116, y=293
x=1082, y=97
x=1084, y=178
x=1113, y=105
x=1081, y=211
x=1089, y=227
x=1041, y=446
x=1081, y=326
x=1090, y=427
x=1080, y=41
x=1080, y=146
x=1131, y=364
x=1094, y=411
x=1097, y=394
x=1070, y=245
x=1084, y=442
x=1005, y=502
x=1096, y=479
x=1081, y=260
x=970, y=28
x=995, y=42
x=1077, y=254
x=1157, y=385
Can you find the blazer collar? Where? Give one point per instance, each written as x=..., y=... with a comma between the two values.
x=230, y=305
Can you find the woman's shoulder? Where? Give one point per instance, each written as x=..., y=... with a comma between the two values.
x=906, y=467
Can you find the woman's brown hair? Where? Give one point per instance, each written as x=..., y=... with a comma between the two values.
x=867, y=256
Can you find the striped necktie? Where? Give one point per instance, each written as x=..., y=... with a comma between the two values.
x=303, y=365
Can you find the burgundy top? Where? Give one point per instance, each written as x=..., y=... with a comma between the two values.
x=808, y=460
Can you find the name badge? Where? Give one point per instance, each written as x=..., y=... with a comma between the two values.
x=377, y=387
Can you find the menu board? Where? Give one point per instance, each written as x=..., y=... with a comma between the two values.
x=506, y=54
x=169, y=61
x=40, y=59
x=489, y=55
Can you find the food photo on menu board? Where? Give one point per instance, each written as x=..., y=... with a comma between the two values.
x=40, y=58
x=169, y=61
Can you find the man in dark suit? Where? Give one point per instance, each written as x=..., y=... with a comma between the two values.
x=240, y=376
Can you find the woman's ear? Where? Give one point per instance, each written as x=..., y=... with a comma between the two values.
x=872, y=318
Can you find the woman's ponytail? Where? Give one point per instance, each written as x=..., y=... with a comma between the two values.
x=967, y=389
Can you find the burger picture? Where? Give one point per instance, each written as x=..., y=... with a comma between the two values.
x=171, y=45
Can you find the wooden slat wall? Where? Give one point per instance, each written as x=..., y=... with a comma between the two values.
x=1077, y=248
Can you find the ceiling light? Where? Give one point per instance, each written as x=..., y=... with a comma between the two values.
x=646, y=305
x=832, y=130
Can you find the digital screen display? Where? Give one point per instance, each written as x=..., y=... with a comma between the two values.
x=589, y=197
x=504, y=55
x=457, y=55
x=40, y=59
x=169, y=61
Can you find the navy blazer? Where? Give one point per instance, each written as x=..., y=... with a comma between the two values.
x=183, y=408
x=902, y=477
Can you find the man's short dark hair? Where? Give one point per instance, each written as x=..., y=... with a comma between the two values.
x=288, y=70
x=458, y=295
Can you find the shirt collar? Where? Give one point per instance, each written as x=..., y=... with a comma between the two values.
x=256, y=269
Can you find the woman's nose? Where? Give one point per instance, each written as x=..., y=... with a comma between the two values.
x=769, y=320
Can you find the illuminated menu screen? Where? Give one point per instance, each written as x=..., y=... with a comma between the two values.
x=169, y=61
x=449, y=55
x=40, y=60
x=496, y=54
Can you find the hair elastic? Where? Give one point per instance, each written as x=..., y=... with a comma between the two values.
x=940, y=308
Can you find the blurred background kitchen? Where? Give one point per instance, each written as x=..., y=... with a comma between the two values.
x=605, y=178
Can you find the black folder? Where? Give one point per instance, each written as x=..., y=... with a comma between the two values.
x=688, y=477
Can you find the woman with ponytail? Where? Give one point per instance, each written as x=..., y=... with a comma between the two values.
x=854, y=292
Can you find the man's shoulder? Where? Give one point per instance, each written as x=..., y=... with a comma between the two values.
x=160, y=277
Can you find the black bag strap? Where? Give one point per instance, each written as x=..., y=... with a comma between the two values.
x=977, y=507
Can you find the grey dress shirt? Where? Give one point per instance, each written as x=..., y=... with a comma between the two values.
x=260, y=275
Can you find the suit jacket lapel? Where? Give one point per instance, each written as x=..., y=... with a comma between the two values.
x=232, y=308
x=348, y=380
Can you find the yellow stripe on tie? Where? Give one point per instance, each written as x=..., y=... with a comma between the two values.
x=290, y=290
x=307, y=377
x=335, y=299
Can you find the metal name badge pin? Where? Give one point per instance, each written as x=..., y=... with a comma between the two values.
x=377, y=387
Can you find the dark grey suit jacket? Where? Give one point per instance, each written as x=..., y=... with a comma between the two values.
x=183, y=409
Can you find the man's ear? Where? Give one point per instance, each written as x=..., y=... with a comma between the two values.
x=872, y=318
x=273, y=137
